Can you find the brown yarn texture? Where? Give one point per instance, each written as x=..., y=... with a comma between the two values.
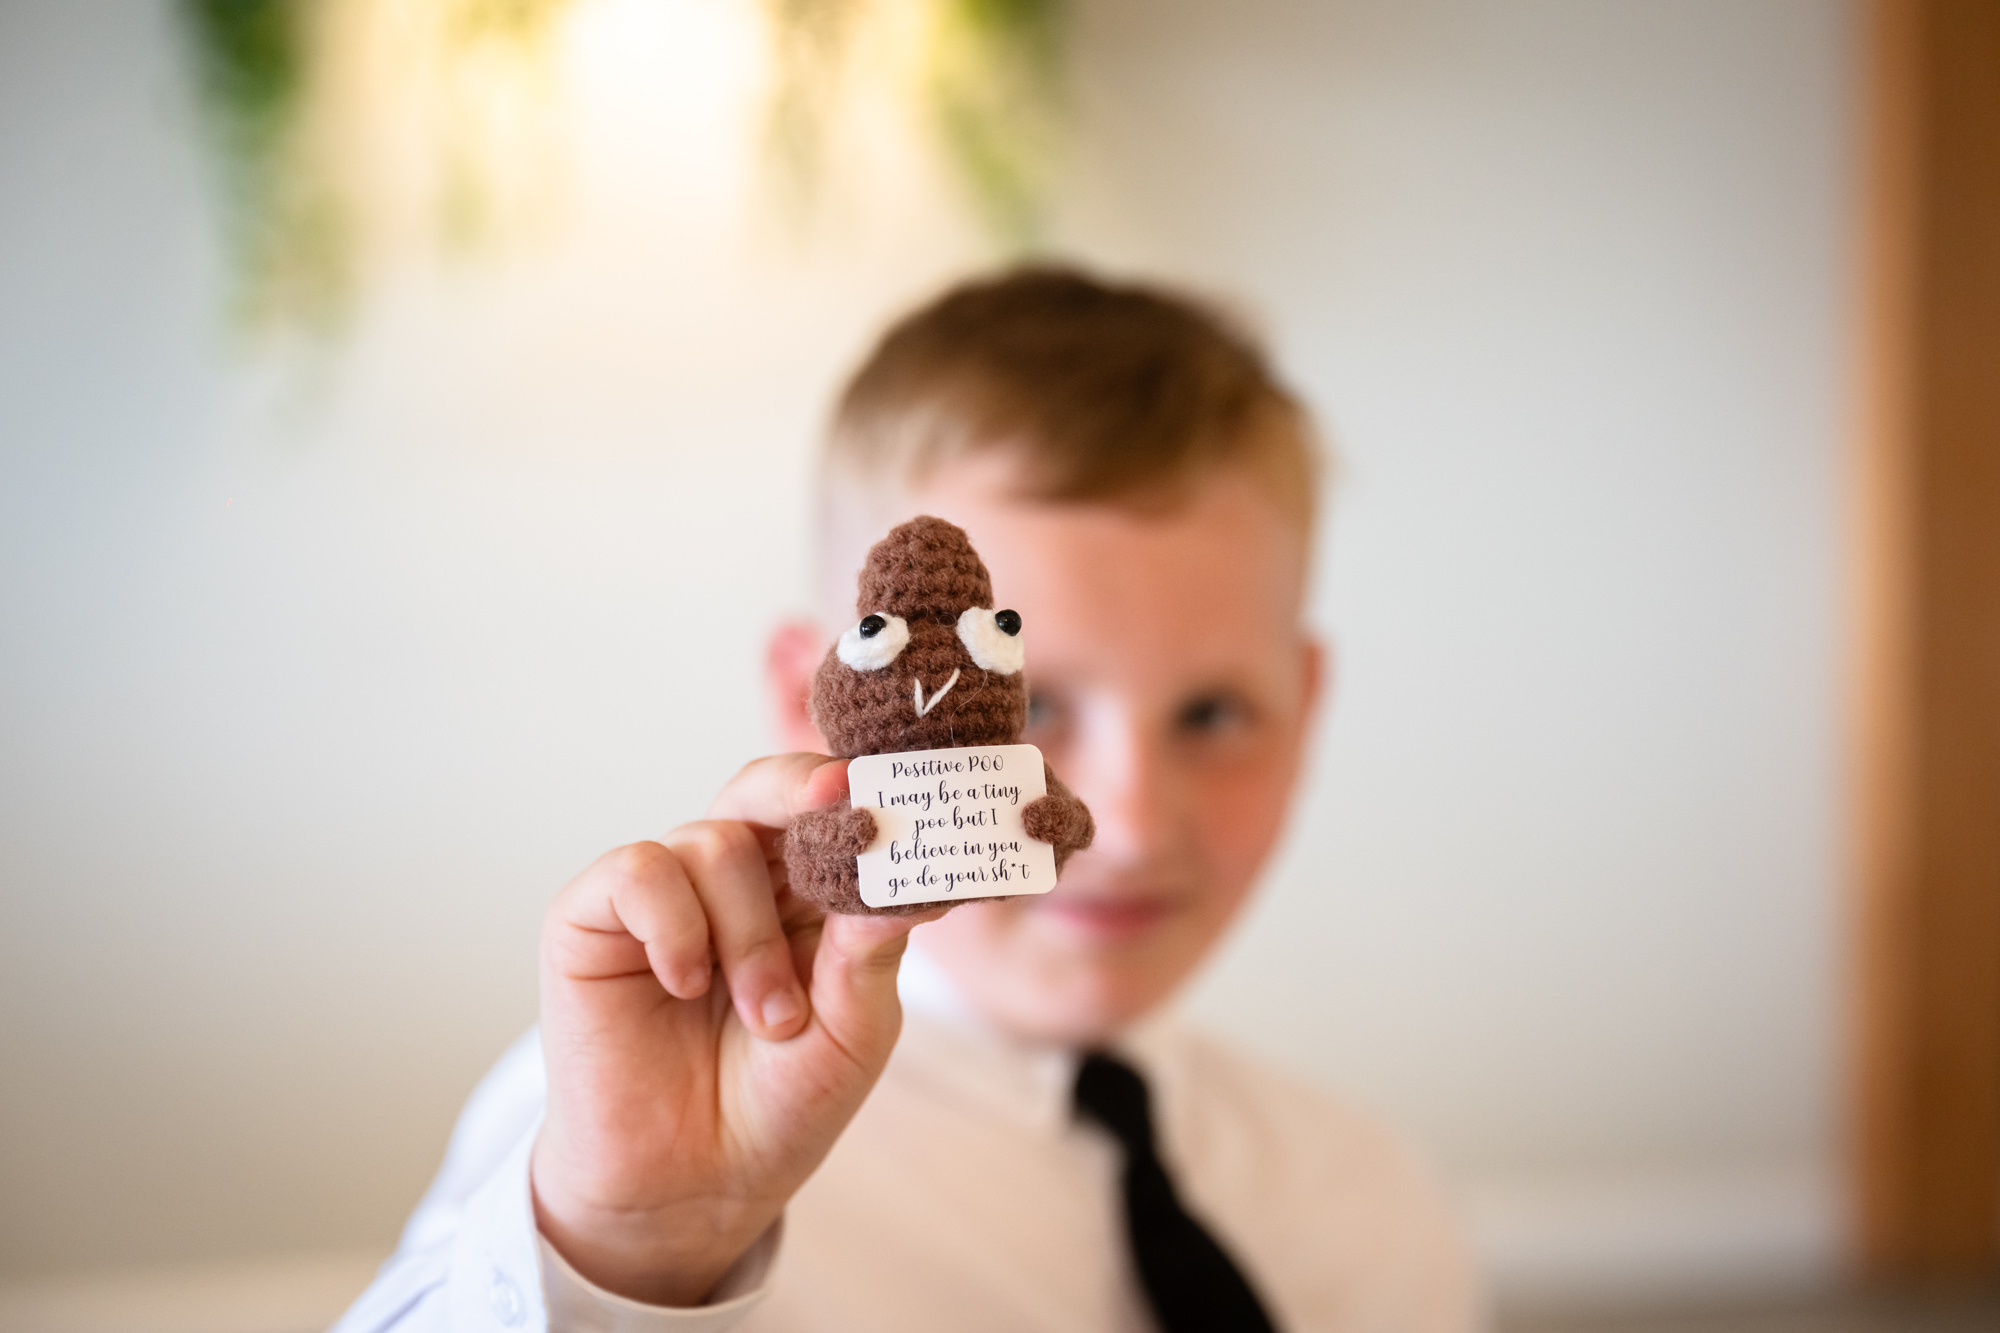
x=926, y=572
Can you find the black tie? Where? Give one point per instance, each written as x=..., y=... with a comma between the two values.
x=1190, y=1282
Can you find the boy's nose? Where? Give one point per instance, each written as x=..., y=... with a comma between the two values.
x=1120, y=770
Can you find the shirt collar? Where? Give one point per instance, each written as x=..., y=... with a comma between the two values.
x=955, y=1051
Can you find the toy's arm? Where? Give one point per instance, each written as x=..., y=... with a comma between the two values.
x=1059, y=818
x=820, y=847
x=839, y=831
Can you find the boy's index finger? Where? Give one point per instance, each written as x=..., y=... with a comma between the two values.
x=769, y=792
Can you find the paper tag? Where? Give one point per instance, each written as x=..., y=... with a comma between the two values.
x=948, y=824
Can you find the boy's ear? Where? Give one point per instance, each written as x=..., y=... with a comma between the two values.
x=1319, y=675
x=790, y=658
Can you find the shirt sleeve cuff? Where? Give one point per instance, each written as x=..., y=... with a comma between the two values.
x=495, y=1285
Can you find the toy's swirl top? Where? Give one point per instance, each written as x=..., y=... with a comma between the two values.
x=926, y=567
x=928, y=662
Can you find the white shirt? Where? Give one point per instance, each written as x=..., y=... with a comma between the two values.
x=965, y=1196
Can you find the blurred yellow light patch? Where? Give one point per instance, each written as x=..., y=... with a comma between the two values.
x=361, y=135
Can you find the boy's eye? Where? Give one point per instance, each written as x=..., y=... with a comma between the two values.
x=993, y=645
x=1211, y=714
x=1043, y=711
x=874, y=643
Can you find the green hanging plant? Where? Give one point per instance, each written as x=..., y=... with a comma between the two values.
x=809, y=40
x=287, y=234
x=996, y=94
x=473, y=207
x=990, y=86
x=348, y=129
x=314, y=108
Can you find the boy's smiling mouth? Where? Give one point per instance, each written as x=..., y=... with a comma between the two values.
x=1108, y=917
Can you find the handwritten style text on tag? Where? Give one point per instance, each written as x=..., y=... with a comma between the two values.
x=948, y=824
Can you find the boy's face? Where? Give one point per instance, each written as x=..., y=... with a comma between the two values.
x=1171, y=688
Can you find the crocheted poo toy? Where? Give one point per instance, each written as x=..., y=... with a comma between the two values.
x=928, y=665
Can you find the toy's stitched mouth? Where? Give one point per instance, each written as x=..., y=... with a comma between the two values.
x=923, y=707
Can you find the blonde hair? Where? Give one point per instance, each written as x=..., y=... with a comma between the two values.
x=1099, y=391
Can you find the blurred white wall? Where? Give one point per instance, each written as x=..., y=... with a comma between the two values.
x=318, y=679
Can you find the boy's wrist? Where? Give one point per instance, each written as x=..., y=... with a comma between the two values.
x=574, y=1302
x=673, y=1255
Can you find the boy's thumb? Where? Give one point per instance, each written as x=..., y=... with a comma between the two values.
x=854, y=980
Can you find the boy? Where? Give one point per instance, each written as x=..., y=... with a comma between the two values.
x=686, y=1146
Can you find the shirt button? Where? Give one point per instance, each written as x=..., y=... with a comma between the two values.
x=506, y=1298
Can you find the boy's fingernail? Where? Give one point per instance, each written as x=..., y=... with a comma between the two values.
x=695, y=980
x=780, y=1008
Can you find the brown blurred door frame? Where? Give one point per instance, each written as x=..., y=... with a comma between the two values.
x=1928, y=1053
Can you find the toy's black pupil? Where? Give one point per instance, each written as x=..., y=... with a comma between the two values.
x=1008, y=621
x=872, y=625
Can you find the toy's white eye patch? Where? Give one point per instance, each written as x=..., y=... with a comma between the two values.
x=994, y=639
x=874, y=643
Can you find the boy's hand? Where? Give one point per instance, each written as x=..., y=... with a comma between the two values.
x=685, y=1109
